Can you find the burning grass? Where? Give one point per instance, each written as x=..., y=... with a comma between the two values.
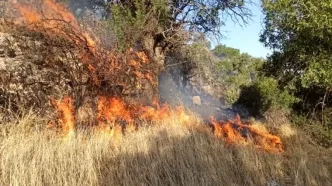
x=138, y=144
x=166, y=153
x=115, y=117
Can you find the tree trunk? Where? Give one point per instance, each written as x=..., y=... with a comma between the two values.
x=157, y=55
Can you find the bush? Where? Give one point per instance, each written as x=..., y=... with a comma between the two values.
x=264, y=94
x=234, y=70
x=321, y=134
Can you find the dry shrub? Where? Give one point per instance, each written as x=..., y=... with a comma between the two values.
x=277, y=117
x=52, y=55
x=286, y=130
x=167, y=153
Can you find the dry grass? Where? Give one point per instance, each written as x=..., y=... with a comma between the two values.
x=168, y=153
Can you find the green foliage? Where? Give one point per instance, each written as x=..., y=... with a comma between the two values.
x=131, y=22
x=235, y=70
x=192, y=62
x=224, y=51
x=164, y=20
x=300, y=32
x=321, y=134
x=264, y=94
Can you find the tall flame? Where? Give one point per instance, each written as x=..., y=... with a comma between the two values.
x=112, y=109
x=54, y=19
x=65, y=111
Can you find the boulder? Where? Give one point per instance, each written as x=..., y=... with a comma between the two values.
x=197, y=100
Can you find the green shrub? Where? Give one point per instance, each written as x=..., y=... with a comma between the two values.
x=264, y=94
x=321, y=132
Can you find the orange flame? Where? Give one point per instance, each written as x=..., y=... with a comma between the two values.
x=65, y=111
x=53, y=18
x=112, y=112
x=112, y=109
x=143, y=57
x=234, y=131
x=30, y=16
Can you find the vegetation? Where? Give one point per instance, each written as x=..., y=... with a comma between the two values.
x=300, y=34
x=192, y=63
x=235, y=70
x=167, y=153
x=161, y=25
x=223, y=68
x=97, y=141
x=264, y=94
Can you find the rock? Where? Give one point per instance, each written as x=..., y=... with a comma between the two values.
x=197, y=100
x=207, y=89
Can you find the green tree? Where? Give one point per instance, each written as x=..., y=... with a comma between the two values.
x=234, y=70
x=300, y=33
x=264, y=94
x=159, y=26
x=222, y=51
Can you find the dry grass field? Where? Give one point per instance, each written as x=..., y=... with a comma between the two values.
x=167, y=152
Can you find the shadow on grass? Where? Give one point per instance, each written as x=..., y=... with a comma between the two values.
x=198, y=159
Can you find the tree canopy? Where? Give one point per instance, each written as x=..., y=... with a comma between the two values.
x=300, y=33
x=165, y=24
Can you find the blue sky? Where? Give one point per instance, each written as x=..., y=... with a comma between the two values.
x=246, y=38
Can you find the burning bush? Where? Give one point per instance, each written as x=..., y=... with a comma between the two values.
x=52, y=55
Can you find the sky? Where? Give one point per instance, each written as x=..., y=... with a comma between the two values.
x=246, y=38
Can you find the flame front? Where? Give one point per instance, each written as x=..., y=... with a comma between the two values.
x=234, y=132
x=114, y=117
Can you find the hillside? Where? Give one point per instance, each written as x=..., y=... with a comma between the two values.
x=131, y=93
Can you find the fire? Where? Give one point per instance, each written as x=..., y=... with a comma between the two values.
x=53, y=19
x=61, y=11
x=155, y=114
x=50, y=13
x=115, y=117
x=143, y=57
x=113, y=109
x=65, y=111
x=29, y=15
x=113, y=113
x=234, y=132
